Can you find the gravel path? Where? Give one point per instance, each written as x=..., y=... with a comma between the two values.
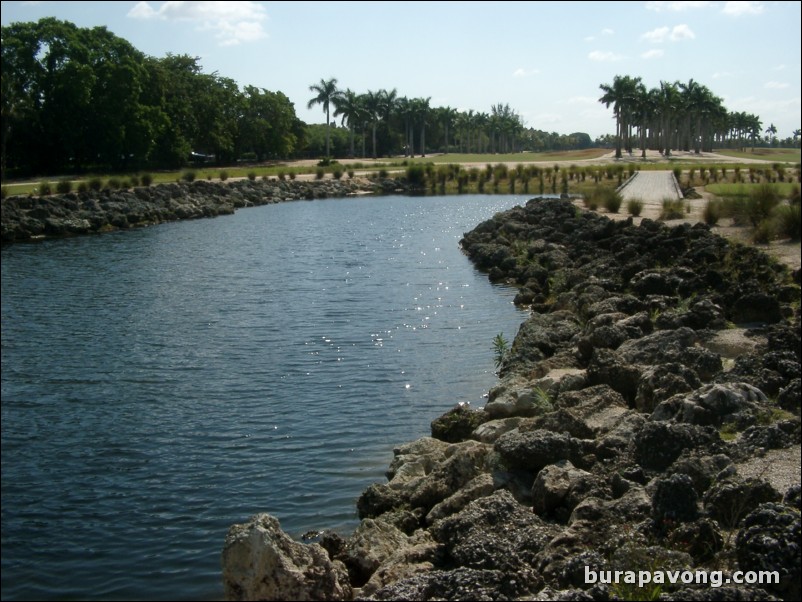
x=651, y=186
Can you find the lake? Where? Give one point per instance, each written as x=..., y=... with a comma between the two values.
x=161, y=384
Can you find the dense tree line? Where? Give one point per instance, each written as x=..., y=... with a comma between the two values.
x=76, y=98
x=680, y=116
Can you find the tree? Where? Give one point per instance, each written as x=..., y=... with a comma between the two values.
x=350, y=106
x=772, y=132
x=621, y=94
x=327, y=94
x=373, y=105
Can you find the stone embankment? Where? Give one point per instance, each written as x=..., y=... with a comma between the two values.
x=628, y=432
x=35, y=217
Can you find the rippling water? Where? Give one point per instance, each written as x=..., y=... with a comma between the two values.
x=161, y=384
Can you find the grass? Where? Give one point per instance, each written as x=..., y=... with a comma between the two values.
x=782, y=155
x=745, y=190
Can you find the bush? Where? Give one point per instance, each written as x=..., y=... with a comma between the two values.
x=634, y=207
x=223, y=175
x=337, y=173
x=787, y=220
x=83, y=186
x=251, y=175
x=146, y=179
x=350, y=174
x=95, y=184
x=762, y=202
x=712, y=213
x=672, y=209
x=134, y=179
x=319, y=173
x=612, y=202
x=113, y=183
x=416, y=175
x=63, y=186
x=292, y=175
x=281, y=175
x=188, y=176
x=764, y=232
x=383, y=173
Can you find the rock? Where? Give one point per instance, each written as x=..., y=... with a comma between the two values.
x=658, y=383
x=477, y=488
x=460, y=584
x=457, y=424
x=558, y=489
x=658, y=444
x=489, y=432
x=701, y=539
x=769, y=541
x=756, y=307
x=714, y=404
x=674, y=501
x=261, y=562
x=418, y=556
x=373, y=542
x=533, y=450
x=732, y=499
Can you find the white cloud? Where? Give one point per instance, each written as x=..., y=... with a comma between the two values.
x=598, y=55
x=590, y=38
x=775, y=85
x=656, y=35
x=675, y=6
x=736, y=9
x=234, y=22
x=655, y=53
x=521, y=72
x=607, y=31
x=682, y=32
x=675, y=34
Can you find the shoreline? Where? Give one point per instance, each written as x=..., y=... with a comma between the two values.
x=627, y=422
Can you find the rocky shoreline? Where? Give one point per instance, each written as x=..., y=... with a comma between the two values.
x=26, y=218
x=647, y=418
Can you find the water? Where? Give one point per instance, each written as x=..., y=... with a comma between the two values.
x=161, y=384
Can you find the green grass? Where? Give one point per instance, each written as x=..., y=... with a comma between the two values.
x=781, y=155
x=784, y=189
x=525, y=157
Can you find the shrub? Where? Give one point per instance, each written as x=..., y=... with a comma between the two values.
x=337, y=172
x=764, y=232
x=383, y=173
x=350, y=174
x=612, y=201
x=134, y=179
x=3, y=192
x=83, y=186
x=146, y=179
x=281, y=175
x=761, y=203
x=113, y=183
x=416, y=175
x=787, y=221
x=634, y=207
x=319, y=173
x=188, y=176
x=223, y=175
x=251, y=175
x=712, y=212
x=63, y=186
x=672, y=209
x=292, y=175
x=44, y=189
x=95, y=184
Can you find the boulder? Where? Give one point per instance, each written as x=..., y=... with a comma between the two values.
x=261, y=562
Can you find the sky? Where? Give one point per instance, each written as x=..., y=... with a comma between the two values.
x=545, y=59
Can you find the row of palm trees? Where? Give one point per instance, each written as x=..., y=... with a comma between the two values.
x=496, y=131
x=675, y=115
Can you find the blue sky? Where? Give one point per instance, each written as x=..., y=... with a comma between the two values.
x=546, y=59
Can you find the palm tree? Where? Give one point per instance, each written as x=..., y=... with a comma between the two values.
x=621, y=95
x=797, y=134
x=772, y=132
x=420, y=111
x=327, y=94
x=446, y=115
x=373, y=105
x=349, y=105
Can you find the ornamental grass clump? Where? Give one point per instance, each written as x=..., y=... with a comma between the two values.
x=788, y=221
x=634, y=207
x=672, y=209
